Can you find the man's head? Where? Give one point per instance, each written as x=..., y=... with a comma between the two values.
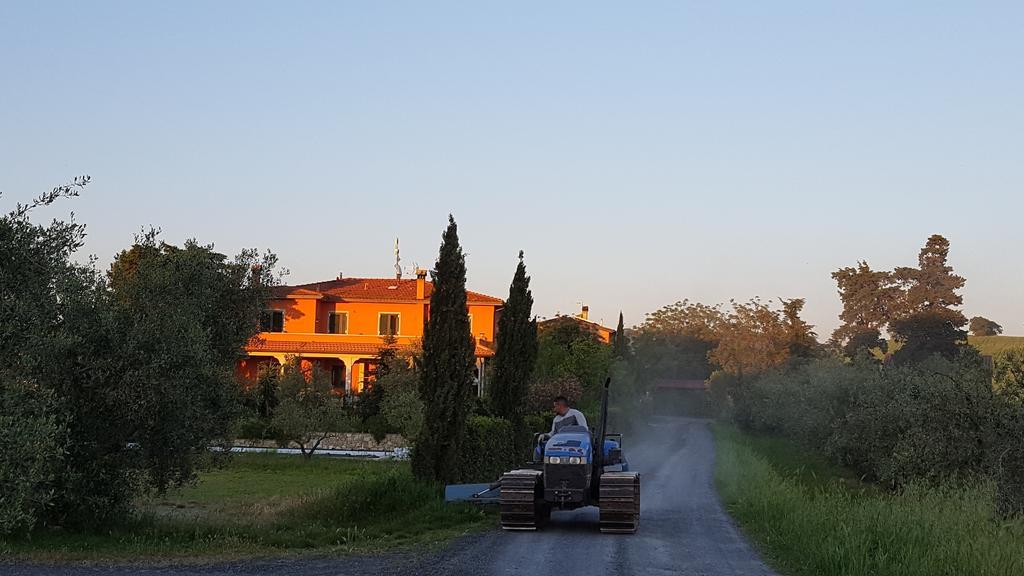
x=561, y=405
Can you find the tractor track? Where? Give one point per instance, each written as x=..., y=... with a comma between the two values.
x=683, y=530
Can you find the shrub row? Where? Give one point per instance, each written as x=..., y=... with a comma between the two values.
x=807, y=529
x=935, y=421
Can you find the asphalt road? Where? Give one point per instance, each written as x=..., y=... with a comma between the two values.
x=683, y=530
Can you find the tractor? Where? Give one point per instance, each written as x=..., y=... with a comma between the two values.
x=571, y=469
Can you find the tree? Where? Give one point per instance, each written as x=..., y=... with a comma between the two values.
x=180, y=316
x=620, y=347
x=543, y=391
x=674, y=341
x=309, y=410
x=981, y=326
x=401, y=406
x=870, y=300
x=127, y=377
x=930, y=321
x=372, y=396
x=752, y=339
x=932, y=286
x=802, y=342
x=32, y=442
x=516, y=355
x=446, y=381
x=565, y=348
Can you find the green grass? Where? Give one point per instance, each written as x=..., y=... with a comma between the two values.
x=993, y=345
x=266, y=504
x=811, y=519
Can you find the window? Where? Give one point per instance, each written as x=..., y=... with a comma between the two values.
x=272, y=321
x=470, y=323
x=337, y=323
x=388, y=324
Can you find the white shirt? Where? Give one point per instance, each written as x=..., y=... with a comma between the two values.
x=572, y=417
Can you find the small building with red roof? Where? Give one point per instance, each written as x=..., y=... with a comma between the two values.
x=582, y=319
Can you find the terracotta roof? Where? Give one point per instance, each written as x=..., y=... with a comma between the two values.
x=374, y=289
x=564, y=318
x=679, y=384
x=305, y=293
x=300, y=347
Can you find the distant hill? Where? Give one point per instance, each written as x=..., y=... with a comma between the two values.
x=993, y=345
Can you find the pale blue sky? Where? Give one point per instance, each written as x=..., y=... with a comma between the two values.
x=639, y=152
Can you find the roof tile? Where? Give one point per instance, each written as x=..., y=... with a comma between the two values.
x=375, y=289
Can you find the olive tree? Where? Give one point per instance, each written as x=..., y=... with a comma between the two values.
x=125, y=378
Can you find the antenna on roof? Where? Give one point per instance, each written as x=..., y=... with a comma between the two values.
x=398, y=262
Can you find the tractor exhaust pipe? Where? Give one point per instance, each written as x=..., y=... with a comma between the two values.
x=602, y=426
x=602, y=429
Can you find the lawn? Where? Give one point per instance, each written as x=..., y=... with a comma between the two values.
x=809, y=518
x=267, y=504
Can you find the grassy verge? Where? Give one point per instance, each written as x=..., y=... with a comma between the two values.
x=810, y=519
x=265, y=504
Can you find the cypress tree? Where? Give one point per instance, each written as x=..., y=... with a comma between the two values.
x=621, y=344
x=517, y=350
x=446, y=380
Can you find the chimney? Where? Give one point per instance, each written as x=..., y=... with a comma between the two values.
x=421, y=283
x=585, y=312
x=340, y=276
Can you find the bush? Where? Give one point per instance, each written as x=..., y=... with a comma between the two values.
x=540, y=422
x=1008, y=374
x=401, y=407
x=488, y=450
x=377, y=426
x=255, y=428
x=826, y=526
x=1007, y=463
x=31, y=448
x=930, y=422
x=933, y=421
x=544, y=390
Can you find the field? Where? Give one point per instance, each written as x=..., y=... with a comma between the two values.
x=810, y=518
x=993, y=345
x=266, y=504
x=987, y=345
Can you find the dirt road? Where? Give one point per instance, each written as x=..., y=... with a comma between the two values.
x=683, y=530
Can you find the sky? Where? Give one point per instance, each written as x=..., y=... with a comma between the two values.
x=639, y=153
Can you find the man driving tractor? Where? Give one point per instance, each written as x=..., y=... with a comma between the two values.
x=566, y=416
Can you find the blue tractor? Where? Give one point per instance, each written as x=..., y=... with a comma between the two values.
x=568, y=472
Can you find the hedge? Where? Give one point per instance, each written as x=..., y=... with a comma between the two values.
x=488, y=450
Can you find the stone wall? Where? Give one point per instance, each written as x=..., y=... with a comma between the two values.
x=340, y=441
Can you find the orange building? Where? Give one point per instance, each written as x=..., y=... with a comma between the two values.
x=340, y=325
x=603, y=333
